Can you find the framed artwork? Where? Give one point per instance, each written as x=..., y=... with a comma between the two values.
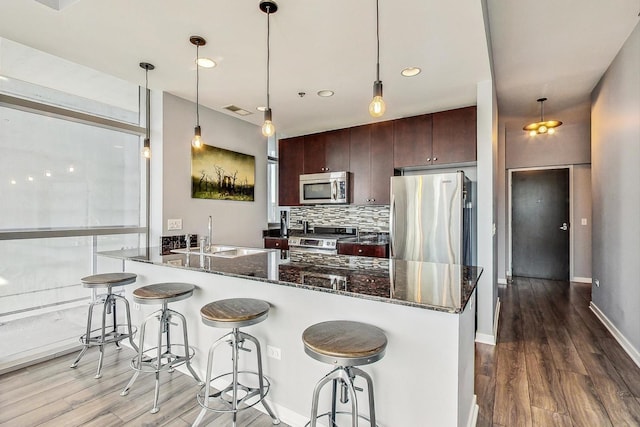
x=222, y=174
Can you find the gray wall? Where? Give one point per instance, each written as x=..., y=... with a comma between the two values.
x=238, y=223
x=570, y=146
x=615, y=144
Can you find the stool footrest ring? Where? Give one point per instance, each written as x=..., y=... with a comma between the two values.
x=168, y=360
x=247, y=396
x=110, y=335
x=328, y=415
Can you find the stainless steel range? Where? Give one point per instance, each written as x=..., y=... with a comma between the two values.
x=322, y=240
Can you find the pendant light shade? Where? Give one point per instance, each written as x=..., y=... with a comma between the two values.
x=542, y=126
x=268, y=7
x=146, y=150
x=377, y=106
x=197, y=141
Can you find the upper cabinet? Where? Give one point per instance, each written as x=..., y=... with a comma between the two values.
x=290, y=161
x=412, y=144
x=371, y=163
x=326, y=152
x=454, y=136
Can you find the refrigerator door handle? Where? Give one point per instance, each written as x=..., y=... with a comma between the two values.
x=392, y=215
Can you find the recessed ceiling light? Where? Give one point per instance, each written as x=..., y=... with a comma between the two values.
x=325, y=93
x=411, y=71
x=30, y=178
x=206, y=62
x=261, y=108
x=71, y=168
x=47, y=174
x=13, y=182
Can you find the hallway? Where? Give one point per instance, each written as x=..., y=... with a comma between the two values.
x=555, y=364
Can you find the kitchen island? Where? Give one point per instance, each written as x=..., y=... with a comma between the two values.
x=426, y=310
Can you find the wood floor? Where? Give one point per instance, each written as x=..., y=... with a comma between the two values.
x=52, y=394
x=555, y=364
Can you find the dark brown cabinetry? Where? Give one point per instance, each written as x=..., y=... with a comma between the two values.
x=379, y=251
x=326, y=152
x=290, y=163
x=276, y=243
x=412, y=143
x=454, y=136
x=371, y=163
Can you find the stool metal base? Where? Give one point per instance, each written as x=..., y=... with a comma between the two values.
x=344, y=375
x=234, y=403
x=161, y=358
x=106, y=334
x=331, y=415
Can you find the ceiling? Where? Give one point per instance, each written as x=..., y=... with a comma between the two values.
x=331, y=45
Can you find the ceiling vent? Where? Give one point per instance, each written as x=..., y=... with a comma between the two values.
x=57, y=4
x=237, y=110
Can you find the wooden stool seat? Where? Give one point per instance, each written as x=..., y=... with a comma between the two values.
x=234, y=312
x=160, y=293
x=107, y=280
x=344, y=342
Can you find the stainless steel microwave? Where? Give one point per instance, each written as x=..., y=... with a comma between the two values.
x=324, y=188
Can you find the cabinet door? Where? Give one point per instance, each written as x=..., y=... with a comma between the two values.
x=337, y=150
x=290, y=163
x=381, y=148
x=314, y=153
x=454, y=136
x=412, y=141
x=360, y=164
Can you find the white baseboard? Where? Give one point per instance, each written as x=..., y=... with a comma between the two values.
x=502, y=281
x=473, y=412
x=582, y=279
x=491, y=339
x=624, y=342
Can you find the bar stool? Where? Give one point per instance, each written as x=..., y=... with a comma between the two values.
x=118, y=332
x=234, y=313
x=162, y=357
x=344, y=344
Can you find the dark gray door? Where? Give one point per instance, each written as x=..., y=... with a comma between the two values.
x=540, y=223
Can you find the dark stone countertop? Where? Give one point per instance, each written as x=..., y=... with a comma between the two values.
x=441, y=287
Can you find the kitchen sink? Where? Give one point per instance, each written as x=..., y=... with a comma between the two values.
x=221, y=251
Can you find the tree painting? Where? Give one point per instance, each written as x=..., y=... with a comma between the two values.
x=222, y=174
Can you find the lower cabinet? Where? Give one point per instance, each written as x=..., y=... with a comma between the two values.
x=276, y=243
x=378, y=251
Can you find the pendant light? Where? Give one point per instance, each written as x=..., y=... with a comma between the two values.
x=146, y=150
x=542, y=126
x=268, y=7
x=197, y=141
x=377, y=106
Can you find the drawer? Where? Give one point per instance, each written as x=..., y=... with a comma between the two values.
x=379, y=251
x=276, y=243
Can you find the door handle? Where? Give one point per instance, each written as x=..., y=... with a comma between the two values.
x=564, y=227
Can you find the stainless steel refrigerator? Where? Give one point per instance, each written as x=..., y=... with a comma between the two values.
x=431, y=218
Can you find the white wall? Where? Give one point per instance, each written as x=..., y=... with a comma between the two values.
x=615, y=144
x=234, y=222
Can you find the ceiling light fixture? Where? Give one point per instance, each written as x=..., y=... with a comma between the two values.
x=268, y=7
x=197, y=141
x=326, y=93
x=206, y=62
x=377, y=106
x=146, y=150
x=542, y=126
x=411, y=71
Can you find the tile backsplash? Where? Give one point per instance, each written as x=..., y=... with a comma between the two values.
x=366, y=218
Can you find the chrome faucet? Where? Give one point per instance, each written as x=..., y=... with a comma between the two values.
x=210, y=228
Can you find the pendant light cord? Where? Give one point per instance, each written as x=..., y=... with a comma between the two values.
x=197, y=86
x=268, y=51
x=146, y=88
x=377, y=41
x=542, y=111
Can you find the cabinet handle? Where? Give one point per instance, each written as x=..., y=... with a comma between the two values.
x=277, y=244
x=428, y=159
x=327, y=169
x=359, y=251
x=435, y=159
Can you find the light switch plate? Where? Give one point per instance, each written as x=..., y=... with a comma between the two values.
x=174, y=224
x=584, y=221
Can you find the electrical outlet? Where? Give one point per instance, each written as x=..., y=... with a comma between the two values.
x=584, y=221
x=174, y=224
x=274, y=352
